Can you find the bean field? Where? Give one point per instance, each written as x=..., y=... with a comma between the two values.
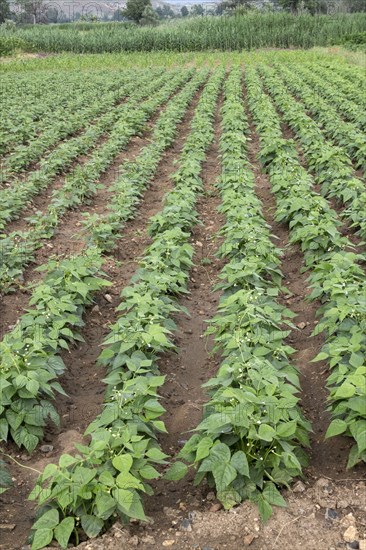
x=183, y=303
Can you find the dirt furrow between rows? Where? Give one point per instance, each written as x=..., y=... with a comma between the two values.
x=82, y=380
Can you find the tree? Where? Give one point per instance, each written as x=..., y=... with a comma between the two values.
x=149, y=17
x=117, y=15
x=311, y=6
x=292, y=5
x=184, y=11
x=135, y=8
x=243, y=5
x=32, y=11
x=4, y=10
x=197, y=9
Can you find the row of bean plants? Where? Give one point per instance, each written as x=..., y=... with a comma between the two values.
x=336, y=277
x=250, y=440
x=107, y=479
x=344, y=134
x=18, y=247
x=15, y=198
x=331, y=165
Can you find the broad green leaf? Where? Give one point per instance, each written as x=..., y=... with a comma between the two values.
x=125, y=480
x=123, y=463
x=240, y=462
x=105, y=505
x=266, y=432
x=345, y=391
x=42, y=537
x=149, y=472
x=265, y=509
x=273, y=496
x=223, y=474
x=176, y=471
x=67, y=460
x=91, y=525
x=336, y=427
x=4, y=428
x=203, y=448
x=63, y=531
x=48, y=520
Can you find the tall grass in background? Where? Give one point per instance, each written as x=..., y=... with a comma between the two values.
x=242, y=32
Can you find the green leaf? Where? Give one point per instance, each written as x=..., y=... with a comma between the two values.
x=125, y=480
x=67, y=460
x=149, y=472
x=42, y=538
x=345, y=391
x=286, y=429
x=356, y=360
x=265, y=509
x=273, y=496
x=266, y=432
x=4, y=428
x=63, y=531
x=106, y=478
x=203, y=448
x=91, y=525
x=49, y=471
x=229, y=498
x=240, y=462
x=105, y=505
x=336, y=427
x=123, y=463
x=223, y=474
x=354, y=457
x=176, y=471
x=320, y=357
x=130, y=503
x=48, y=520
x=220, y=452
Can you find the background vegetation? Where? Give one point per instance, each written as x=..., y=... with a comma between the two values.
x=238, y=32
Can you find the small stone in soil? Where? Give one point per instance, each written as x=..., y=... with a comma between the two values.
x=108, y=297
x=168, y=542
x=215, y=507
x=210, y=496
x=299, y=487
x=248, y=539
x=301, y=325
x=350, y=534
x=331, y=514
x=355, y=545
x=185, y=525
x=46, y=448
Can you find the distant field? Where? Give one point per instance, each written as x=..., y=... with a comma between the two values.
x=276, y=30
